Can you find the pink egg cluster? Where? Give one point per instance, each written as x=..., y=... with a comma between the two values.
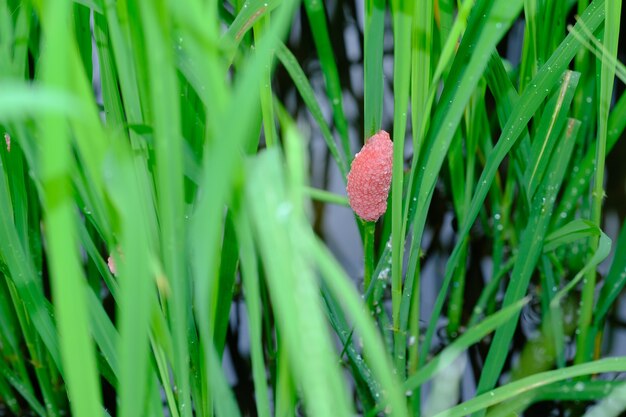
x=369, y=178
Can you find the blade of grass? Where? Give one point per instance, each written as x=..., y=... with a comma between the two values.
x=544, y=141
x=375, y=355
x=530, y=55
x=265, y=86
x=589, y=40
x=68, y=282
x=445, y=18
x=536, y=381
x=556, y=313
x=32, y=336
x=19, y=101
x=402, y=12
x=460, y=345
x=603, y=250
x=462, y=184
x=8, y=399
x=250, y=277
x=421, y=63
x=364, y=379
x=373, y=66
x=317, y=17
x=421, y=56
x=251, y=12
x=530, y=249
x=20, y=194
x=285, y=391
x=582, y=171
x=571, y=232
x=21, y=35
x=136, y=287
x=104, y=332
x=301, y=81
x=223, y=292
x=293, y=300
x=560, y=391
x=326, y=196
x=169, y=185
x=23, y=390
x=82, y=34
x=506, y=98
x=614, y=281
x=607, y=74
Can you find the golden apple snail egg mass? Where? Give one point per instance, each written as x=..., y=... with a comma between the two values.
x=369, y=178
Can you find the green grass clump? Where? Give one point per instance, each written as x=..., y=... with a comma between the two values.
x=191, y=176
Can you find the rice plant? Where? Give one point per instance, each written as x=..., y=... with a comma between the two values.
x=170, y=169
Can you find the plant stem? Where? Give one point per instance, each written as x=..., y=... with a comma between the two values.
x=368, y=249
